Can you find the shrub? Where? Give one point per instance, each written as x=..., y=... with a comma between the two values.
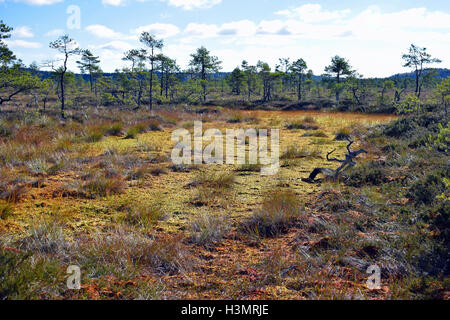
x=441, y=140
x=411, y=104
x=366, y=174
x=24, y=278
x=401, y=127
x=442, y=221
x=425, y=191
x=6, y=210
x=279, y=210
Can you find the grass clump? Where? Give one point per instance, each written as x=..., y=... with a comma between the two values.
x=154, y=125
x=123, y=251
x=221, y=180
x=133, y=131
x=96, y=133
x=343, y=134
x=235, y=118
x=6, y=210
x=278, y=212
x=46, y=237
x=115, y=129
x=157, y=171
x=309, y=119
x=212, y=187
x=207, y=229
x=38, y=166
x=143, y=213
x=302, y=125
x=249, y=167
x=100, y=184
x=293, y=152
x=317, y=133
x=5, y=131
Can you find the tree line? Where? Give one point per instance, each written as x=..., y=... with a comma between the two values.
x=151, y=77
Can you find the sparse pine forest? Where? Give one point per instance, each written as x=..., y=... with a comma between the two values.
x=86, y=178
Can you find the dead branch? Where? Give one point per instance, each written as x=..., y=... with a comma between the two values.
x=346, y=164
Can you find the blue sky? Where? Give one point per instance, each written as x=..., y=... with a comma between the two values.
x=372, y=35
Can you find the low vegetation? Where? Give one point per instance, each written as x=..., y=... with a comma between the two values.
x=86, y=179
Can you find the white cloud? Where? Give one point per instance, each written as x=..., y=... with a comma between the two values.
x=181, y=52
x=114, y=2
x=238, y=28
x=23, y=44
x=193, y=4
x=183, y=4
x=116, y=45
x=22, y=32
x=161, y=30
x=201, y=30
x=371, y=39
x=39, y=2
x=104, y=32
x=55, y=33
x=313, y=13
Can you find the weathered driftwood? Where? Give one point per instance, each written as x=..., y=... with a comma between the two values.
x=346, y=164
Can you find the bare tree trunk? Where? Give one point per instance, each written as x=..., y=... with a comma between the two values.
x=299, y=87
x=204, y=81
x=338, y=80
x=62, y=94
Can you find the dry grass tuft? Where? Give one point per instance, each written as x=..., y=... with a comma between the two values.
x=101, y=183
x=143, y=213
x=208, y=229
x=6, y=210
x=279, y=210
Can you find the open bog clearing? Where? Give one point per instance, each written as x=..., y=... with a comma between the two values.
x=110, y=199
x=151, y=176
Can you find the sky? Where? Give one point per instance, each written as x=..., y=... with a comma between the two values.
x=372, y=35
